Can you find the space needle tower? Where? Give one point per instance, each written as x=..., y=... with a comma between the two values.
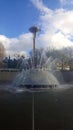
x=34, y=30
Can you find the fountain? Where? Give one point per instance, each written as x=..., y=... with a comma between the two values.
x=15, y=99
x=36, y=76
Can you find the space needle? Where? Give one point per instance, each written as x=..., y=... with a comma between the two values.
x=34, y=30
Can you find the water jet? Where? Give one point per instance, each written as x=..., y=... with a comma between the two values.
x=35, y=76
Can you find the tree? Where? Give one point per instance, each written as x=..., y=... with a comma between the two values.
x=2, y=52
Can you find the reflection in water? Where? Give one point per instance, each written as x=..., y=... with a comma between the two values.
x=52, y=107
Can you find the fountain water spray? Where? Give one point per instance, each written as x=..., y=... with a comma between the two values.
x=36, y=76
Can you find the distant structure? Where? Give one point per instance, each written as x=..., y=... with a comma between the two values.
x=2, y=52
x=34, y=30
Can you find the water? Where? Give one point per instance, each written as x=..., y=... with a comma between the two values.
x=44, y=74
x=37, y=107
x=35, y=77
x=53, y=108
x=11, y=89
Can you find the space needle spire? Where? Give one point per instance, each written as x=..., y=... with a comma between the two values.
x=34, y=30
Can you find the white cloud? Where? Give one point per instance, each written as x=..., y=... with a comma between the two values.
x=57, y=26
x=60, y=20
x=66, y=2
x=16, y=45
x=40, y=6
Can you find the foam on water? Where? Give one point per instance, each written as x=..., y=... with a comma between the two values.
x=11, y=89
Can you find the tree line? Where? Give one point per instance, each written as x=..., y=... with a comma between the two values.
x=64, y=59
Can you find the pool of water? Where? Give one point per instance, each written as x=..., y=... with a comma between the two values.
x=53, y=108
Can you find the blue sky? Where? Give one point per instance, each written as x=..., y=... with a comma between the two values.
x=16, y=16
x=54, y=17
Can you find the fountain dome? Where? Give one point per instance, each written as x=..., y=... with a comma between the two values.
x=35, y=78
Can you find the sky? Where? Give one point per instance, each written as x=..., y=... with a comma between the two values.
x=53, y=17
